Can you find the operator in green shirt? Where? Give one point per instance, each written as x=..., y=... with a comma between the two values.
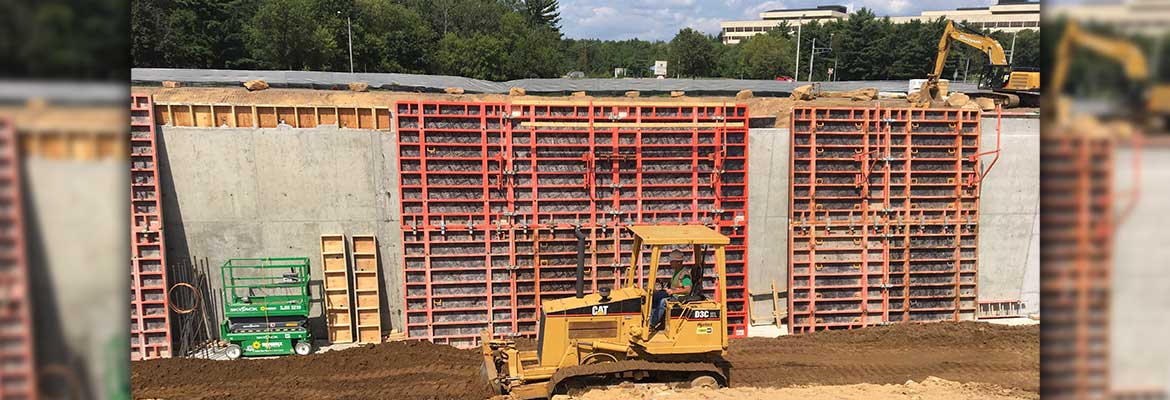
x=680, y=285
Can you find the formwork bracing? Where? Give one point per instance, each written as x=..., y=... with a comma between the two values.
x=1076, y=263
x=493, y=195
x=18, y=379
x=150, y=327
x=884, y=214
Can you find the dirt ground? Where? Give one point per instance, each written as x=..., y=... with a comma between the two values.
x=931, y=388
x=960, y=352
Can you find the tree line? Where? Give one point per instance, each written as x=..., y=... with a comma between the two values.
x=514, y=39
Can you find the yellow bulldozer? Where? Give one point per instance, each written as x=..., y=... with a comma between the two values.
x=607, y=337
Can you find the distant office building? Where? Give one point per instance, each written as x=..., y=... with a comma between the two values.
x=1137, y=16
x=736, y=31
x=1005, y=15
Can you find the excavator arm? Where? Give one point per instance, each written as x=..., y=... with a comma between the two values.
x=957, y=33
x=1129, y=55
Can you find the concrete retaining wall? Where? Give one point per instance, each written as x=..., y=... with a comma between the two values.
x=1009, y=235
x=272, y=192
x=1141, y=303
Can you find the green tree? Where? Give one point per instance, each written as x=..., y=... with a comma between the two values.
x=478, y=56
x=543, y=13
x=531, y=51
x=389, y=37
x=288, y=34
x=767, y=56
x=692, y=53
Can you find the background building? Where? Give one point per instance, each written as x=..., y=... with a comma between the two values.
x=735, y=31
x=1137, y=16
x=1006, y=15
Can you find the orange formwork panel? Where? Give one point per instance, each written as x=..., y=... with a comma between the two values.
x=1078, y=223
x=150, y=326
x=18, y=378
x=494, y=193
x=884, y=216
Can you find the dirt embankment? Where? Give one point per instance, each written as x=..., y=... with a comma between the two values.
x=930, y=389
x=396, y=370
x=961, y=352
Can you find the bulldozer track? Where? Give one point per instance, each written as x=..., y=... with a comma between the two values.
x=611, y=368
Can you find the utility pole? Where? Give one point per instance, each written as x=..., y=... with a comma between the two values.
x=1012, y=55
x=796, y=71
x=811, y=54
x=349, y=30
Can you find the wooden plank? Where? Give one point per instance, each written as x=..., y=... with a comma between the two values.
x=382, y=119
x=161, y=116
x=224, y=116
x=347, y=117
x=328, y=115
x=365, y=118
x=564, y=124
x=203, y=116
x=183, y=116
x=287, y=115
x=266, y=116
x=336, y=286
x=775, y=303
x=244, y=117
x=306, y=118
x=367, y=292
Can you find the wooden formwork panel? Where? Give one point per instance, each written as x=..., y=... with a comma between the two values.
x=492, y=194
x=271, y=116
x=884, y=216
x=1077, y=224
x=335, y=269
x=366, y=288
x=19, y=375
x=150, y=327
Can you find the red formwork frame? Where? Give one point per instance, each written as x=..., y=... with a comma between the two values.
x=1079, y=219
x=503, y=187
x=18, y=378
x=884, y=213
x=150, y=325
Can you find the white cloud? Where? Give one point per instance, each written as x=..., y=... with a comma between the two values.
x=754, y=11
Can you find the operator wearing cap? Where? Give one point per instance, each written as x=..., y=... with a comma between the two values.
x=680, y=284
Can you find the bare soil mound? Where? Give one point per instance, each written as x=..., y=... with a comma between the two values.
x=396, y=370
x=1008, y=356
x=961, y=352
x=930, y=389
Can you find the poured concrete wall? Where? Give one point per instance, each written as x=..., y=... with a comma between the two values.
x=272, y=192
x=75, y=218
x=1141, y=302
x=1009, y=234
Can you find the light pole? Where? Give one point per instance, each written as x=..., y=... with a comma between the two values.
x=796, y=71
x=1012, y=55
x=349, y=30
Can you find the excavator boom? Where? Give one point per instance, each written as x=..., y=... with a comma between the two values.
x=956, y=33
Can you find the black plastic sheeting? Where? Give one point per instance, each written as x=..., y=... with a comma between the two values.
x=558, y=86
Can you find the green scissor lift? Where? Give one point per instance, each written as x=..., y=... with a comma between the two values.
x=266, y=306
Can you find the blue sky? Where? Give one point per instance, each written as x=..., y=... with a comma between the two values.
x=662, y=19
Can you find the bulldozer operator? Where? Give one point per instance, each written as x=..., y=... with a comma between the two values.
x=680, y=285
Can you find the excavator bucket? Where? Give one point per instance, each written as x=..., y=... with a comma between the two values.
x=928, y=95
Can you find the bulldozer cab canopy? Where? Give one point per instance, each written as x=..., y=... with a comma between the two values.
x=657, y=235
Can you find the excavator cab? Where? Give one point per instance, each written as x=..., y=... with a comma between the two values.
x=606, y=337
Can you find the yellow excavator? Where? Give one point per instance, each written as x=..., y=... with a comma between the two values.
x=607, y=337
x=1127, y=54
x=1009, y=87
